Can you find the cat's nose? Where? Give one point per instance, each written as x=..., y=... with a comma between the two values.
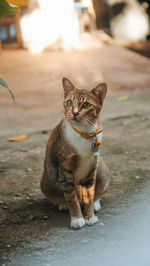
x=75, y=112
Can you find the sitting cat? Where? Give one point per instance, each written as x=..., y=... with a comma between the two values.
x=75, y=175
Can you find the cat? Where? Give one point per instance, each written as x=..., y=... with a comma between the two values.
x=75, y=175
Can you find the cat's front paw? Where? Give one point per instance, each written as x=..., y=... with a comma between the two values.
x=77, y=222
x=92, y=220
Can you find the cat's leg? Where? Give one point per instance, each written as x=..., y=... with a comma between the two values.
x=66, y=179
x=88, y=198
x=50, y=187
x=77, y=220
x=102, y=181
x=79, y=191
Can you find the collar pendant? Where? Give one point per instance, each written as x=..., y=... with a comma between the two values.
x=95, y=144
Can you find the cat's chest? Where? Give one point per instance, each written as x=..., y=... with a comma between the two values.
x=84, y=148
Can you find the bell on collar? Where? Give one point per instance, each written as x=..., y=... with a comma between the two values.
x=98, y=142
x=95, y=144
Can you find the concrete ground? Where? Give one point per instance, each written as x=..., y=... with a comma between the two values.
x=32, y=231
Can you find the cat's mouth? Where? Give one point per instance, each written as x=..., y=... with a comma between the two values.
x=76, y=120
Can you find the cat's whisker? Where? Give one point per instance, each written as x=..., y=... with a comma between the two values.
x=69, y=117
x=88, y=121
x=83, y=120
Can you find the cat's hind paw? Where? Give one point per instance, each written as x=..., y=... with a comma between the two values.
x=63, y=207
x=91, y=220
x=97, y=205
x=77, y=222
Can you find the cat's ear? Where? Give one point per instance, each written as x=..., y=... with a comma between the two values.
x=100, y=92
x=67, y=85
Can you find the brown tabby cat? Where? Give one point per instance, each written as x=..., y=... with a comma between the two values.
x=75, y=175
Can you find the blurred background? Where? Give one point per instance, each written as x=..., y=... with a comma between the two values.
x=68, y=24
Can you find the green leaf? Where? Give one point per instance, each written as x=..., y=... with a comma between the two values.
x=4, y=84
x=6, y=9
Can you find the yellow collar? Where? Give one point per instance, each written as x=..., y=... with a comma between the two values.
x=88, y=135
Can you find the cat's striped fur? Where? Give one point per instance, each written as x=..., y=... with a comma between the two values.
x=74, y=175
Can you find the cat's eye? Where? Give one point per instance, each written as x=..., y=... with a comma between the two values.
x=69, y=103
x=86, y=105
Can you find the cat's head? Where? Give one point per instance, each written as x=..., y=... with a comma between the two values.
x=83, y=106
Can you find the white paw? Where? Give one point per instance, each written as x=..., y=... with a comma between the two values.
x=92, y=220
x=63, y=207
x=77, y=222
x=97, y=205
